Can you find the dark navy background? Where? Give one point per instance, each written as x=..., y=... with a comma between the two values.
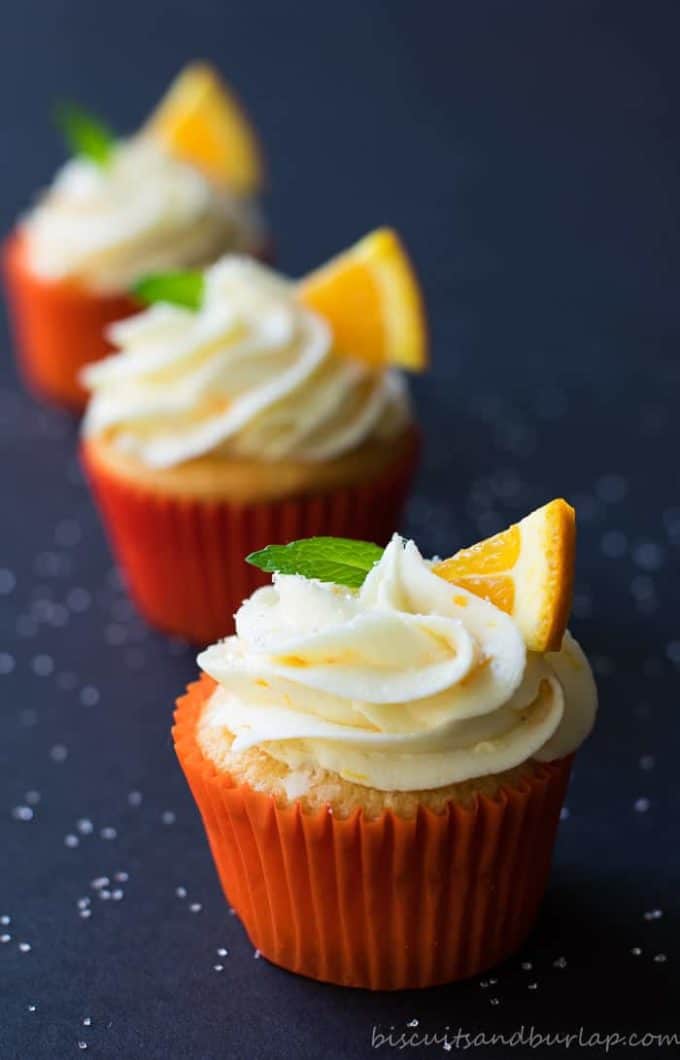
x=529, y=153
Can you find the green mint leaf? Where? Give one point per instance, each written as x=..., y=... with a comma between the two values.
x=178, y=288
x=85, y=135
x=328, y=559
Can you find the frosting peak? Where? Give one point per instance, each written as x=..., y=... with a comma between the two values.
x=407, y=683
x=252, y=373
x=144, y=211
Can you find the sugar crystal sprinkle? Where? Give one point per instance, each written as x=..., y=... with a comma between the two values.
x=89, y=696
x=648, y=555
x=7, y=663
x=673, y=651
x=42, y=665
x=22, y=813
x=78, y=600
x=7, y=582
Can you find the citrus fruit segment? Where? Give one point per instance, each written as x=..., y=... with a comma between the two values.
x=526, y=570
x=201, y=122
x=371, y=298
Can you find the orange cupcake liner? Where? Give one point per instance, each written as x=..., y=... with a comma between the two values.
x=386, y=903
x=58, y=327
x=184, y=559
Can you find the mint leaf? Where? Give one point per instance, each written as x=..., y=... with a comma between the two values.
x=85, y=135
x=178, y=288
x=328, y=559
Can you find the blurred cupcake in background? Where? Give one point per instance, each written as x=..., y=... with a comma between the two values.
x=242, y=408
x=178, y=194
x=381, y=752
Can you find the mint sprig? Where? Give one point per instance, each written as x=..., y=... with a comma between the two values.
x=85, y=134
x=183, y=288
x=328, y=559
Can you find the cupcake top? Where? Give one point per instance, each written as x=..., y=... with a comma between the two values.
x=106, y=225
x=403, y=682
x=252, y=372
x=178, y=194
x=248, y=364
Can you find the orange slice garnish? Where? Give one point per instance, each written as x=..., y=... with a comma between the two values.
x=526, y=570
x=201, y=122
x=371, y=298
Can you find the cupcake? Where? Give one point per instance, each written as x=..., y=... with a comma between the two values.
x=178, y=194
x=380, y=753
x=256, y=410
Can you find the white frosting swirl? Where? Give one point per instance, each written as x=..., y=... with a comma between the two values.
x=144, y=211
x=251, y=373
x=408, y=683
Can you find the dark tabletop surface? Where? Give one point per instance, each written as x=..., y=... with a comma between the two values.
x=529, y=152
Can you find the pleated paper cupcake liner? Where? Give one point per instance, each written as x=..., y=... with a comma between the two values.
x=386, y=903
x=184, y=559
x=58, y=327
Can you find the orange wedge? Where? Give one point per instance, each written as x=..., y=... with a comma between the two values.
x=526, y=570
x=201, y=122
x=371, y=298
